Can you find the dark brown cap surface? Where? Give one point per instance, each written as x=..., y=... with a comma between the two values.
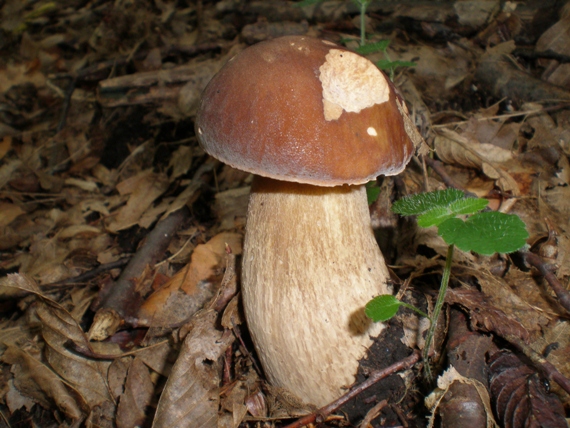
x=306, y=110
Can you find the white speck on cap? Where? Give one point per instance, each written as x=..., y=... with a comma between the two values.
x=372, y=132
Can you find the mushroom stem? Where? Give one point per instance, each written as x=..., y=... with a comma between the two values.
x=310, y=265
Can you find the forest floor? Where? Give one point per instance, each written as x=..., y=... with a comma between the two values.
x=120, y=239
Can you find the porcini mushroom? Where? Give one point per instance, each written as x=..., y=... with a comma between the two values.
x=314, y=122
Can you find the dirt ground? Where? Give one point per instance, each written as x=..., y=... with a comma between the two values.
x=121, y=239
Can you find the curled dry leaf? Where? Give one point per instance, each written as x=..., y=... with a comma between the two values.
x=144, y=189
x=58, y=328
x=136, y=396
x=454, y=148
x=34, y=379
x=446, y=383
x=191, y=396
x=85, y=375
x=520, y=396
x=500, y=294
x=187, y=291
x=484, y=315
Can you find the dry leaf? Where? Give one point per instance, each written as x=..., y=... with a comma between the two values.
x=453, y=148
x=191, y=396
x=143, y=191
x=484, y=316
x=36, y=380
x=500, y=294
x=137, y=396
x=8, y=213
x=233, y=403
x=554, y=345
x=520, y=397
x=188, y=290
x=556, y=38
x=445, y=382
x=85, y=375
x=231, y=207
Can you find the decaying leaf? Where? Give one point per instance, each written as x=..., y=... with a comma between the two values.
x=454, y=148
x=137, y=396
x=80, y=177
x=87, y=376
x=448, y=382
x=500, y=294
x=189, y=289
x=234, y=404
x=484, y=315
x=73, y=382
x=520, y=396
x=143, y=191
x=554, y=345
x=36, y=380
x=191, y=396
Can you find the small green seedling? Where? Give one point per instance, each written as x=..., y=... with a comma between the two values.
x=362, y=4
x=369, y=48
x=384, y=64
x=372, y=191
x=485, y=233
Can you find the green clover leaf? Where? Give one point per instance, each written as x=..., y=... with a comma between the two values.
x=485, y=233
x=424, y=202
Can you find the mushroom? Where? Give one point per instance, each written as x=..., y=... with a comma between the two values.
x=314, y=122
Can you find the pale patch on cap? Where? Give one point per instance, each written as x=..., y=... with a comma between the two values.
x=351, y=83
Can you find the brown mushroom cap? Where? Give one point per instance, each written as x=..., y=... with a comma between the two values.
x=305, y=110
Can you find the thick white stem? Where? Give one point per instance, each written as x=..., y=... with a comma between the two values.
x=310, y=264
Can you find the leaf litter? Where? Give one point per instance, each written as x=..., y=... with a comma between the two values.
x=97, y=148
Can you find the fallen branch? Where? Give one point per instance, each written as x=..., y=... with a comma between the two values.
x=122, y=300
x=561, y=292
x=498, y=74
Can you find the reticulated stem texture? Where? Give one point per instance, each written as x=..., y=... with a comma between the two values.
x=310, y=265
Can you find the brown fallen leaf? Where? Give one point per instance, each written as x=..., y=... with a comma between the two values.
x=554, y=346
x=8, y=212
x=504, y=79
x=122, y=299
x=146, y=188
x=520, y=396
x=467, y=352
x=36, y=380
x=503, y=294
x=191, y=396
x=484, y=316
x=557, y=39
x=187, y=291
x=85, y=375
x=454, y=148
x=137, y=396
x=448, y=382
